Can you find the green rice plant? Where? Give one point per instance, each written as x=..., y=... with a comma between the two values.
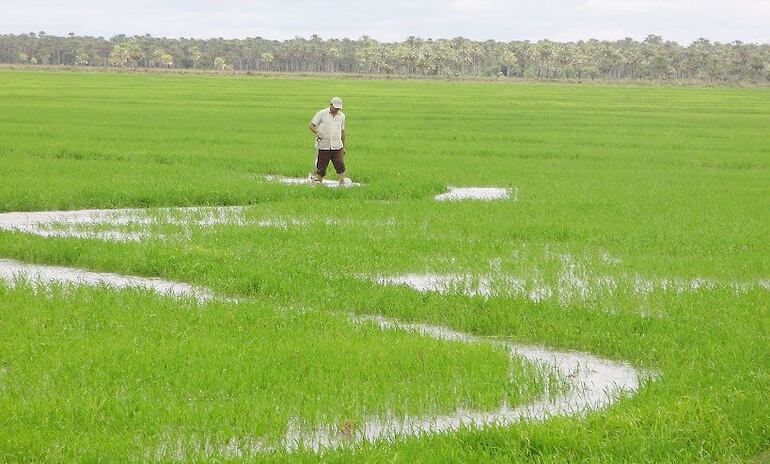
x=97, y=373
x=640, y=185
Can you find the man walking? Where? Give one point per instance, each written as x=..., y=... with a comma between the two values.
x=328, y=125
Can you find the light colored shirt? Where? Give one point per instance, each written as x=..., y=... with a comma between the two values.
x=329, y=128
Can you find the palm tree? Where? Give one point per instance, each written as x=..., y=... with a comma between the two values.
x=267, y=58
x=652, y=58
x=195, y=55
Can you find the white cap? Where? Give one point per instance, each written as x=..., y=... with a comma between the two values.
x=337, y=102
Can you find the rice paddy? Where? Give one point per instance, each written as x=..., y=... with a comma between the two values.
x=161, y=299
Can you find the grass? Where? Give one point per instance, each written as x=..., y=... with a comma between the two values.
x=666, y=182
x=99, y=371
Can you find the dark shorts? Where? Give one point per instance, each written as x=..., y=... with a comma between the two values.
x=324, y=156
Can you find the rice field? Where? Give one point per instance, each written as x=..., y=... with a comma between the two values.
x=608, y=300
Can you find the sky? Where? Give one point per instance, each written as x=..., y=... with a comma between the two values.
x=395, y=20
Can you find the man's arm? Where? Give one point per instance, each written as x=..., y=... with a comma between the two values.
x=343, y=139
x=314, y=129
x=313, y=126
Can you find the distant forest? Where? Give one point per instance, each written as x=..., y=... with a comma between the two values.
x=627, y=59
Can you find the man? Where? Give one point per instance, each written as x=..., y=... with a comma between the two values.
x=328, y=125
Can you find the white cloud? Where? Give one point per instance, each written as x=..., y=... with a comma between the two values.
x=473, y=6
x=636, y=6
x=680, y=20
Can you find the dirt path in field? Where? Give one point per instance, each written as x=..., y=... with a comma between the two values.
x=592, y=382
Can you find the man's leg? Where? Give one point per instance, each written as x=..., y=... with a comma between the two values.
x=314, y=174
x=322, y=162
x=337, y=158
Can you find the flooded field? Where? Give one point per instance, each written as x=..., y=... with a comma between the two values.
x=521, y=273
x=580, y=382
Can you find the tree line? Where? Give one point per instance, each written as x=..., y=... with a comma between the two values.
x=650, y=59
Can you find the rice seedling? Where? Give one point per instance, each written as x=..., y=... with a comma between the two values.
x=636, y=229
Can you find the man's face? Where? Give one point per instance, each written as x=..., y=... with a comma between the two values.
x=333, y=109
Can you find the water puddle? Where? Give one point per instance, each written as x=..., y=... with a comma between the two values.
x=201, y=215
x=76, y=224
x=476, y=193
x=464, y=284
x=593, y=382
x=469, y=285
x=12, y=271
x=566, y=288
x=109, y=235
x=561, y=277
x=307, y=181
x=100, y=223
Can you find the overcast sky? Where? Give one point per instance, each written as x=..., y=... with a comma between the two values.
x=679, y=20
